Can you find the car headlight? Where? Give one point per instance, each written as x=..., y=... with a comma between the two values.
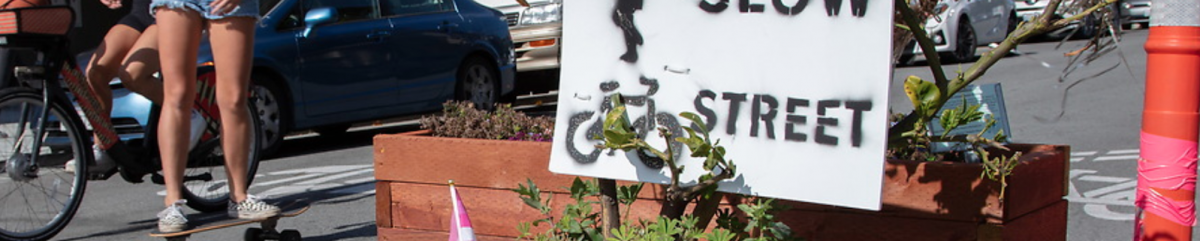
x=940, y=8
x=548, y=13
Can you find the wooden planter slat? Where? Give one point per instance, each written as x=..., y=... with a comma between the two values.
x=921, y=200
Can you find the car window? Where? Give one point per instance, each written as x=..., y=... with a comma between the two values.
x=293, y=20
x=410, y=7
x=347, y=10
x=265, y=6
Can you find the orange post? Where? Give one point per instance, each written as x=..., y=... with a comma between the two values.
x=1170, y=122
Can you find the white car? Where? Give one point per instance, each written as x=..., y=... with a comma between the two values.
x=536, y=31
x=1087, y=27
x=963, y=25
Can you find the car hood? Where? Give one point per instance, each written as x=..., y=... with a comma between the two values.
x=509, y=6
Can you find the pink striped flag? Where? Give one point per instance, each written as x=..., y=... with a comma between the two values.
x=460, y=224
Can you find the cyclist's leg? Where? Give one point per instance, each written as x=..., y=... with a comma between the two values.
x=178, y=38
x=233, y=41
x=140, y=65
x=107, y=59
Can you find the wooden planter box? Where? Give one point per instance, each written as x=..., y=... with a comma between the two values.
x=921, y=200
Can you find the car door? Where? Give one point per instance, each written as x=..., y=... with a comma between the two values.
x=428, y=40
x=343, y=66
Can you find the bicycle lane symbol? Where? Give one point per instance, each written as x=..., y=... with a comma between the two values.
x=1113, y=199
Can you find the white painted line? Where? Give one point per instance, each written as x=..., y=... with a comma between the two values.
x=1121, y=152
x=1083, y=153
x=360, y=180
x=335, y=177
x=1116, y=158
x=1110, y=189
x=1076, y=159
x=1104, y=179
x=1100, y=201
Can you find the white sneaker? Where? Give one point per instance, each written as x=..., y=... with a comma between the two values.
x=171, y=219
x=197, y=130
x=252, y=208
x=104, y=163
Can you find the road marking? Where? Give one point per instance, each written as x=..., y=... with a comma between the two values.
x=1117, y=158
x=336, y=179
x=1106, y=155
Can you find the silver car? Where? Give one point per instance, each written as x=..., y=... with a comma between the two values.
x=536, y=31
x=961, y=26
x=1134, y=12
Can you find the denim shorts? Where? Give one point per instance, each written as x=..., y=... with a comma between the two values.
x=248, y=8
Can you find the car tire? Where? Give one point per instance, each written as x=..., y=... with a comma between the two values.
x=270, y=102
x=1087, y=27
x=479, y=83
x=965, y=41
x=905, y=60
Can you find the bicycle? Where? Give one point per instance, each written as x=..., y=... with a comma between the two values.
x=642, y=124
x=40, y=131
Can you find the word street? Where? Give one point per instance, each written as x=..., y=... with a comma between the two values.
x=765, y=110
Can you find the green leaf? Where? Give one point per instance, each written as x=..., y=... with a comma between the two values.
x=696, y=120
x=923, y=95
x=628, y=194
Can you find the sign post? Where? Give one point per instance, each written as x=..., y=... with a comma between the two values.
x=1167, y=167
x=796, y=90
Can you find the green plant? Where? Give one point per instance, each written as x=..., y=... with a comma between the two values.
x=461, y=119
x=576, y=223
x=910, y=137
x=579, y=220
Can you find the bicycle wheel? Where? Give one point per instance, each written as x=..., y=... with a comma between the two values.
x=206, y=180
x=38, y=193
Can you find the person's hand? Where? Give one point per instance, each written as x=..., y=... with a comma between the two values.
x=222, y=7
x=111, y=4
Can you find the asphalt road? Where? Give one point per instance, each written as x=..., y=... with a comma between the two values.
x=1099, y=117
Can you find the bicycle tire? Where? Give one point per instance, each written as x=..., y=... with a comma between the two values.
x=49, y=190
x=208, y=157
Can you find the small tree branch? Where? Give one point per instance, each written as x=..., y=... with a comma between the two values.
x=927, y=47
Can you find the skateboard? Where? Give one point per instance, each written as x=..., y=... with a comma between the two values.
x=213, y=221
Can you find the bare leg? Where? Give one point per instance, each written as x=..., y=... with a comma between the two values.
x=107, y=59
x=140, y=65
x=178, y=38
x=233, y=43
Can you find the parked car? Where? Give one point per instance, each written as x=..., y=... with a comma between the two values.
x=960, y=26
x=1134, y=12
x=1087, y=27
x=536, y=31
x=325, y=64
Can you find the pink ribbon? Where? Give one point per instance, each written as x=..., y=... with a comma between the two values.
x=1167, y=163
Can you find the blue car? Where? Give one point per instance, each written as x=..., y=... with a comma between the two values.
x=325, y=64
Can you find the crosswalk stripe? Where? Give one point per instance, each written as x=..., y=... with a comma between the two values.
x=1114, y=158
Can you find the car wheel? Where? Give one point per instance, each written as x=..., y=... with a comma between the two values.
x=905, y=60
x=478, y=83
x=1013, y=22
x=272, y=113
x=1087, y=27
x=965, y=41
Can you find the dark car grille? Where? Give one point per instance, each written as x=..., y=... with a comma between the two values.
x=512, y=18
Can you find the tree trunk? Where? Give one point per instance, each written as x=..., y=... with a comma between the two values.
x=706, y=208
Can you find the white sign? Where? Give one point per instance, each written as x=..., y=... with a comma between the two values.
x=796, y=90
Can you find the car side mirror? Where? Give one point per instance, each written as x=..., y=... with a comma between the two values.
x=318, y=17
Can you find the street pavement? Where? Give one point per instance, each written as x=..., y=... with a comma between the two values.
x=1098, y=117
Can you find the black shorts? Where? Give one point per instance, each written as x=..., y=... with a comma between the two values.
x=139, y=16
